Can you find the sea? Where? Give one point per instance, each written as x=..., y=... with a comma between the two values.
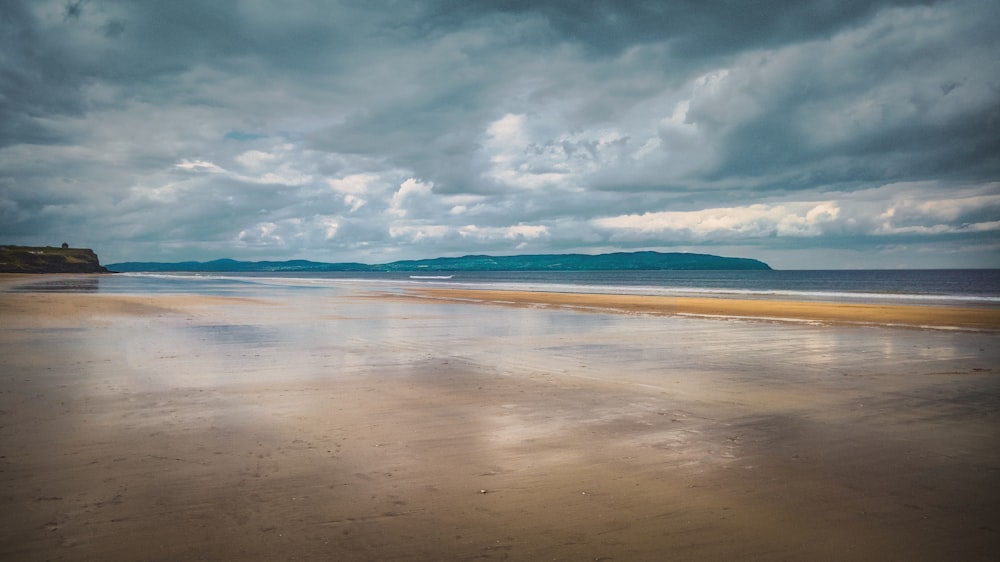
x=944, y=287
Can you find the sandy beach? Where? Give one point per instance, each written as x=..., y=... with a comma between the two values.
x=290, y=423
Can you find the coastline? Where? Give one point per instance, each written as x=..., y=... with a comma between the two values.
x=331, y=424
x=941, y=317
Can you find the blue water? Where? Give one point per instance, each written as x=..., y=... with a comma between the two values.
x=970, y=287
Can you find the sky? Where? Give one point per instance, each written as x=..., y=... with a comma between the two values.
x=810, y=134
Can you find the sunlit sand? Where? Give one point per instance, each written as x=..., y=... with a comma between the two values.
x=901, y=315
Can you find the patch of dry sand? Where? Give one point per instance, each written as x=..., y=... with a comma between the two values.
x=902, y=315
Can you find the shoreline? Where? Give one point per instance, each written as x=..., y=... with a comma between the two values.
x=913, y=316
x=919, y=316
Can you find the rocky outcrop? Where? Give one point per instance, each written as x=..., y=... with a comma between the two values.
x=46, y=259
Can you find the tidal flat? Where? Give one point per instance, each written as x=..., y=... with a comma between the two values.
x=278, y=423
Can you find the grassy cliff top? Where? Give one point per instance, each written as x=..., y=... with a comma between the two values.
x=48, y=259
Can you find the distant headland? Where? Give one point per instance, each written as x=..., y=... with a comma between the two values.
x=540, y=262
x=48, y=259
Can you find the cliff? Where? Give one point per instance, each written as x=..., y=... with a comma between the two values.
x=39, y=259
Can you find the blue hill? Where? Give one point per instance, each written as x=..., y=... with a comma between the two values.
x=540, y=262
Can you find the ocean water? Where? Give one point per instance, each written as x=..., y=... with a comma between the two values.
x=968, y=287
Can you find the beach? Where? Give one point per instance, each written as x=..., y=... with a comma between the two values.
x=300, y=423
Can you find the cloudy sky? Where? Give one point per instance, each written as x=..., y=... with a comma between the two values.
x=806, y=133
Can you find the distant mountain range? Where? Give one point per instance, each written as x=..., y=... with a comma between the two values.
x=542, y=262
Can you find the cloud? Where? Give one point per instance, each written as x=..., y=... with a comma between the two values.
x=976, y=213
x=408, y=191
x=699, y=30
x=344, y=130
x=883, y=98
x=517, y=237
x=419, y=233
x=871, y=217
x=258, y=167
x=754, y=221
x=520, y=231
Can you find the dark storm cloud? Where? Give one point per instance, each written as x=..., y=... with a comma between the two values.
x=36, y=79
x=697, y=29
x=893, y=104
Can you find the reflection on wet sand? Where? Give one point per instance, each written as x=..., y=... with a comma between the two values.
x=328, y=426
x=55, y=284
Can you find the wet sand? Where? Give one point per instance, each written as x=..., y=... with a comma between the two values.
x=845, y=313
x=323, y=425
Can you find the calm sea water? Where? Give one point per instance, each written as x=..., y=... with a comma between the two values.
x=969, y=287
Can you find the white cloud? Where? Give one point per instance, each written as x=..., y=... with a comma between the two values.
x=263, y=168
x=410, y=189
x=944, y=210
x=254, y=160
x=789, y=219
x=354, y=202
x=328, y=226
x=356, y=189
x=419, y=233
x=904, y=209
x=200, y=166
x=262, y=233
x=355, y=184
x=285, y=176
x=890, y=229
x=513, y=162
x=975, y=213
x=291, y=234
x=412, y=186
x=508, y=133
x=523, y=231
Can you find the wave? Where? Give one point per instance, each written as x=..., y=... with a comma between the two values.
x=647, y=290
